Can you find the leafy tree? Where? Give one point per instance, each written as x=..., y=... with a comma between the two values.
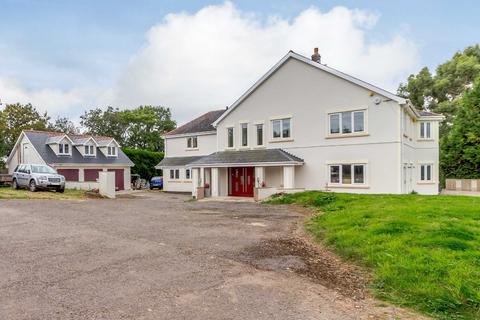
x=137, y=128
x=145, y=162
x=63, y=124
x=460, y=156
x=441, y=92
x=15, y=118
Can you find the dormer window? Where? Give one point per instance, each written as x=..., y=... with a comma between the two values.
x=112, y=151
x=89, y=150
x=63, y=148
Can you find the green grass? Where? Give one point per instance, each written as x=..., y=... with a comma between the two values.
x=9, y=193
x=423, y=251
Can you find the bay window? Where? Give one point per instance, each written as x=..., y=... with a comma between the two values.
x=347, y=174
x=281, y=128
x=347, y=122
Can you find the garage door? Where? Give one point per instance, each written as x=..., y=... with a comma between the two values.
x=118, y=178
x=69, y=174
x=91, y=174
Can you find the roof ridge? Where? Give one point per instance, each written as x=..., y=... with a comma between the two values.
x=70, y=135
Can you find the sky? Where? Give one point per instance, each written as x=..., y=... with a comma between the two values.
x=66, y=56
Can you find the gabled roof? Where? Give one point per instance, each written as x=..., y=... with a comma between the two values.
x=246, y=157
x=293, y=55
x=198, y=125
x=79, y=140
x=39, y=139
x=57, y=137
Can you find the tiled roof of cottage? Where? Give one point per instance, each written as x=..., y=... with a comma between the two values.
x=200, y=124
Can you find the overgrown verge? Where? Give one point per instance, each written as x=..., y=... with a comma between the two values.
x=423, y=251
x=7, y=193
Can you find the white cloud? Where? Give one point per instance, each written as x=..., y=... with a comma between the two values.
x=196, y=62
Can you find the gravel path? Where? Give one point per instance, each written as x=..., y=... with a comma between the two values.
x=159, y=256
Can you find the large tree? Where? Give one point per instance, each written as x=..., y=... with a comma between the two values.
x=135, y=128
x=63, y=124
x=15, y=118
x=460, y=156
x=441, y=92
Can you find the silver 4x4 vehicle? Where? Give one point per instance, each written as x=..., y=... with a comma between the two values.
x=37, y=176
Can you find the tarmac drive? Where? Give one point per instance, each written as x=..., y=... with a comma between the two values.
x=160, y=256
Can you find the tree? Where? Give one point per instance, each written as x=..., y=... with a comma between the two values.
x=136, y=128
x=63, y=124
x=17, y=117
x=460, y=149
x=145, y=162
x=440, y=93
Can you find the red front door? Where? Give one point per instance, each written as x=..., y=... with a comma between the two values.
x=241, y=181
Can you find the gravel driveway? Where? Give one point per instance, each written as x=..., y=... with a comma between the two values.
x=160, y=256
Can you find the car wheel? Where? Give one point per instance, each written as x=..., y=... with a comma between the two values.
x=61, y=190
x=15, y=184
x=33, y=185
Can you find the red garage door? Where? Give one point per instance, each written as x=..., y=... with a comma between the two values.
x=118, y=178
x=91, y=174
x=69, y=174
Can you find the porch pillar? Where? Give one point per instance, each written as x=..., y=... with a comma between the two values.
x=289, y=177
x=195, y=181
x=215, y=182
x=259, y=176
x=201, y=179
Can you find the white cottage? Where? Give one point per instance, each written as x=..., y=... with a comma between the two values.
x=307, y=126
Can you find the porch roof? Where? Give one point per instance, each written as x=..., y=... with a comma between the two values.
x=176, y=161
x=266, y=157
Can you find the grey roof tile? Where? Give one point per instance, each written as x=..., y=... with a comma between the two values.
x=177, y=161
x=200, y=124
x=248, y=156
x=428, y=113
x=39, y=139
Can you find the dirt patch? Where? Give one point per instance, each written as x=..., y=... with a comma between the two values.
x=298, y=256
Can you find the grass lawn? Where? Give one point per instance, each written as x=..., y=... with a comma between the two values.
x=9, y=193
x=423, y=251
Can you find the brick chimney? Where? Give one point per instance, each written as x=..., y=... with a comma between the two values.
x=316, y=56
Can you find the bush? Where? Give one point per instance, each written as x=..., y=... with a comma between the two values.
x=145, y=162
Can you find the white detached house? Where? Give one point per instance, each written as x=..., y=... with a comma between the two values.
x=307, y=126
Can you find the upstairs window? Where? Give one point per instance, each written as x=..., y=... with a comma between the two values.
x=347, y=122
x=244, y=127
x=281, y=128
x=112, y=151
x=259, y=134
x=426, y=173
x=63, y=148
x=425, y=130
x=89, y=150
x=230, y=137
x=192, y=142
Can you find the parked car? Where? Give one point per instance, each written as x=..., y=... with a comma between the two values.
x=37, y=176
x=156, y=182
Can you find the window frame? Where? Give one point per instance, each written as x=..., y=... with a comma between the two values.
x=111, y=151
x=423, y=129
x=281, y=120
x=244, y=125
x=192, y=143
x=89, y=148
x=177, y=174
x=188, y=174
x=262, y=126
x=425, y=173
x=352, y=166
x=339, y=114
x=64, y=149
x=232, y=128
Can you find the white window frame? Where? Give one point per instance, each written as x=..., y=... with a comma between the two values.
x=423, y=127
x=243, y=123
x=421, y=167
x=233, y=137
x=189, y=175
x=281, y=138
x=352, y=168
x=257, y=125
x=352, y=123
x=193, y=142
x=63, y=147
x=88, y=148
x=111, y=151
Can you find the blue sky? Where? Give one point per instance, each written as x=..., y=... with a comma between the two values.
x=72, y=46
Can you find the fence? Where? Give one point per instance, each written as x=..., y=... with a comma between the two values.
x=463, y=184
